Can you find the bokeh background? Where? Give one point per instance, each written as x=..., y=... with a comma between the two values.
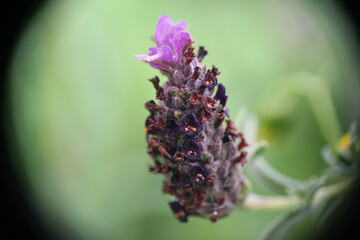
x=77, y=98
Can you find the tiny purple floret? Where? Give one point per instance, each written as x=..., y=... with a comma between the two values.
x=222, y=97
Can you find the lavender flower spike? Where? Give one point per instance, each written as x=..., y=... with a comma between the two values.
x=199, y=157
x=171, y=40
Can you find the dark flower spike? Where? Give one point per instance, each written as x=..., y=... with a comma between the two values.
x=199, y=175
x=222, y=97
x=186, y=132
x=191, y=149
x=190, y=124
x=179, y=211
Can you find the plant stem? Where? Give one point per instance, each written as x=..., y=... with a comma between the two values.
x=257, y=202
x=261, y=171
x=327, y=192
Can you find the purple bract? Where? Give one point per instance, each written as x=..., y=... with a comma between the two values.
x=171, y=41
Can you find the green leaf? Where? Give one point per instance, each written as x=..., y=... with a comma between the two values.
x=255, y=152
x=247, y=122
x=328, y=156
x=266, y=175
x=285, y=224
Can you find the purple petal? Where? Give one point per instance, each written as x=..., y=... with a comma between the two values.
x=160, y=58
x=180, y=41
x=171, y=41
x=165, y=29
x=222, y=97
x=142, y=57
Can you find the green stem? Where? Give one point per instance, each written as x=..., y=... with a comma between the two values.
x=265, y=174
x=257, y=202
x=327, y=192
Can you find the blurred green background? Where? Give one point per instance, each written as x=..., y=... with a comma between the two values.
x=77, y=97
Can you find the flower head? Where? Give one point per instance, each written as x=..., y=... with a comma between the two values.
x=199, y=158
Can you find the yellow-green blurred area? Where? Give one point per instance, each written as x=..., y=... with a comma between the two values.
x=78, y=105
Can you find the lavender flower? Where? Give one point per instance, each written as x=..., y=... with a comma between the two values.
x=199, y=157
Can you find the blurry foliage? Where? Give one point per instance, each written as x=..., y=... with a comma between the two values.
x=78, y=95
x=326, y=197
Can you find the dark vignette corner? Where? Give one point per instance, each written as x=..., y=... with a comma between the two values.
x=17, y=218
